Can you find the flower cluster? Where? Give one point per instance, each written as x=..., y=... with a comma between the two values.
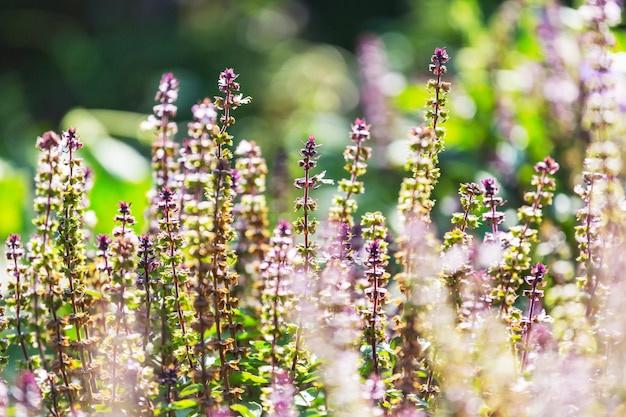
x=215, y=281
x=356, y=157
x=164, y=149
x=251, y=210
x=306, y=225
x=231, y=100
x=375, y=263
x=457, y=245
x=123, y=345
x=175, y=280
x=602, y=218
x=517, y=243
x=417, y=245
x=493, y=217
x=276, y=271
x=534, y=294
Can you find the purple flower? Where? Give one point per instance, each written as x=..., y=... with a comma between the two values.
x=219, y=412
x=235, y=180
x=489, y=184
x=309, y=150
x=227, y=82
x=282, y=396
x=205, y=112
x=344, y=233
x=375, y=389
x=492, y=217
x=88, y=174
x=26, y=391
x=166, y=194
x=228, y=75
x=124, y=207
x=374, y=249
x=167, y=109
x=547, y=166
x=439, y=58
x=48, y=140
x=166, y=96
x=538, y=271
x=284, y=228
x=103, y=242
x=71, y=139
x=167, y=202
x=14, y=247
x=168, y=89
x=147, y=260
x=360, y=130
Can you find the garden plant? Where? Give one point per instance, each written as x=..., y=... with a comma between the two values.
x=215, y=309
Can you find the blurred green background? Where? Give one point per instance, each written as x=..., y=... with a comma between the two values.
x=311, y=67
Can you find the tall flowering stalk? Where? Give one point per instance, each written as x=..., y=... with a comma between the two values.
x=164, y=150
x=457, y=244
x=221, y=193
x=337, y=285
x=197, y=157
x=74, y=267
x=147, y=265
x=492, y=201
x=44, y=275
x=169, y=243
x=601, y=221
x=47, y=203
x=277, y=295
x=123, y=263
x=426, y=143
x=535, y=280
x=375, y=263
x=356, y=157
x=197, y=162
x=174, y=344
x=147, y=281
x=251, y=209
x=101, y=283
x=218, y=283
x=18, y=288
x=517, y=244
x=306, y=264
x=338, y=281
x=333, y=314
x=417, y=246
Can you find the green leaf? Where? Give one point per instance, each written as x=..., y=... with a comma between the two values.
x=183, y=404
x=314, y=413
x=93, y=293
x=260, y=344
x=304, y=398
x=247, y=376
x=191, y=389
x=248, y=410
